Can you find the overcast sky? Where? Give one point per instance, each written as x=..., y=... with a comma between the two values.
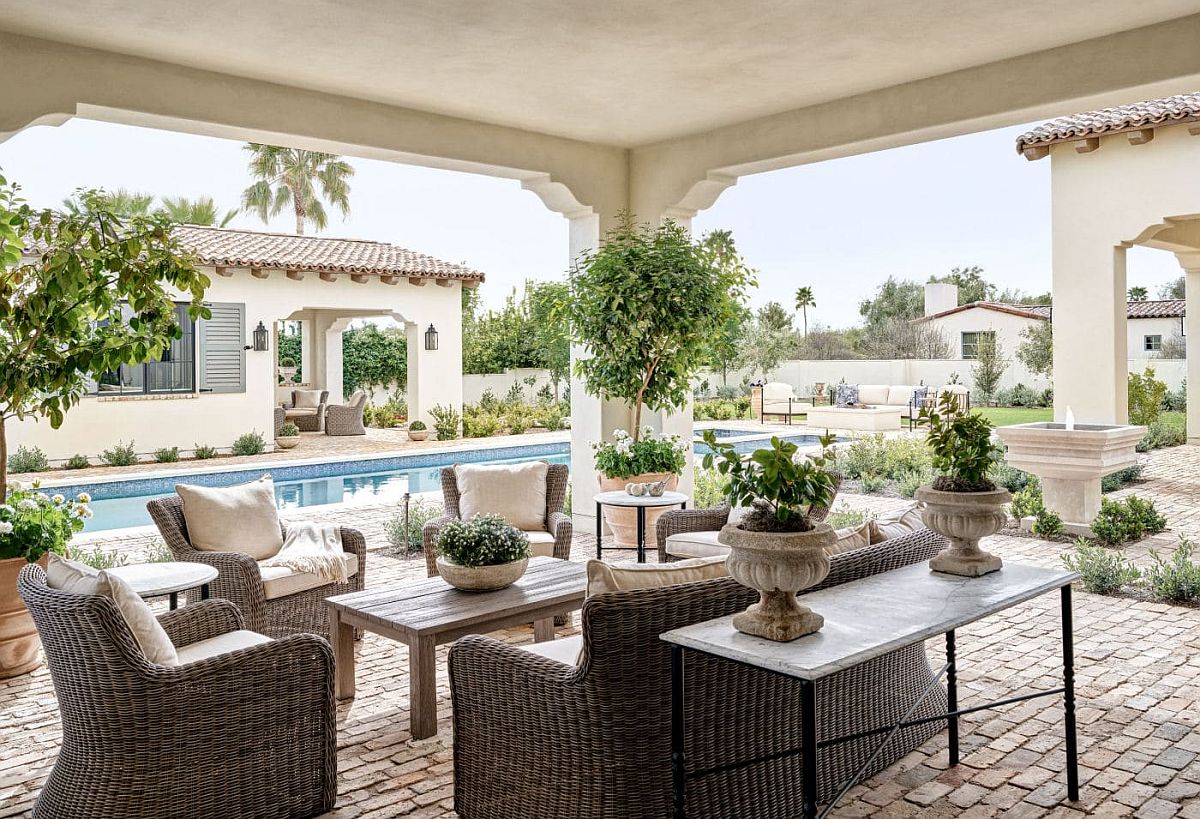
x=841, y=227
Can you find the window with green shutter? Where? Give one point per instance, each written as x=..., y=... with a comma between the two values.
x=222, y=348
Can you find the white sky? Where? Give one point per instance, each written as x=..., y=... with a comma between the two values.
x=841, y=226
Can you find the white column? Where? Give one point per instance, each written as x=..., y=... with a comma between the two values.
x=435, y=376
x=333, y=360
x=1190, y=262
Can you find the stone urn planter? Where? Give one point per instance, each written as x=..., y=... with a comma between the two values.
x=418, y=434
x=778, y=565
x=963, y=518
x=622, y=521
x=287, y=441
x=20, y=646
x=481, y=578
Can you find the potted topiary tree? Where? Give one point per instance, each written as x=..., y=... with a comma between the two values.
x=776, y=548
x=643, y=306
x=288, y=437
x=287, y=367
x=417, y=431
x=482, y=554
x=962, y=504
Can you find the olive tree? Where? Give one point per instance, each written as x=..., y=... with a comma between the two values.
x=644, y=304
x=82, y=293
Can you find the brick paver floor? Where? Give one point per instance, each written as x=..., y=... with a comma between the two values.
x=1138, y=686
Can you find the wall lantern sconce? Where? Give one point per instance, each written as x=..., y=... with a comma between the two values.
x=431, y=338
x=260, y=339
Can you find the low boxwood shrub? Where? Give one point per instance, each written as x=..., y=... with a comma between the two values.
x=77, y=461
x=1047, y=524
x=1176, y=580
x=28, y=459
x=288, y=430
x=1165, y=431
x=167, y=454
x=202, y=452
x=1027, y=502
x=249, y=443
x=418, y=426
x=485, y=540
x=1103, y=571
x=1113, y=482
x=120, y=455
x=1123, y=521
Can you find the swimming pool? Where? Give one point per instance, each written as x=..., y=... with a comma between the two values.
x=122, y=503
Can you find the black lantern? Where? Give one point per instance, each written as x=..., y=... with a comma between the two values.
x=260, y=338
x=431, y=338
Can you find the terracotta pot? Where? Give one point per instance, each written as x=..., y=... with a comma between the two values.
x=20, y=647
x=623, y=521
x=418, y=434
x=778, y=565
x=963, y=518
x=287, y=441
x=481, y=578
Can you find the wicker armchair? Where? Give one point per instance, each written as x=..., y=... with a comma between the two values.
x=280, y=419
x=241, y=582
x=307, y=422
x=249, y=733
x=347, y=419
x=557, y=523
x=679, y=521
x=535, y=737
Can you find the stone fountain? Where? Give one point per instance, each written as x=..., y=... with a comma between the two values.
x=1071, y=459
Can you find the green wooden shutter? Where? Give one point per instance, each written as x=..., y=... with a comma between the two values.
x=223, y=348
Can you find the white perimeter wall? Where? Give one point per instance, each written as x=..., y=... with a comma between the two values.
x=475, y=384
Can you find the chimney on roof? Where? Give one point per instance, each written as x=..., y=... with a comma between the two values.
x=940, y=297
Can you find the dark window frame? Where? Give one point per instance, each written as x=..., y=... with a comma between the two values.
x=1152, y=343
x=145, y=375
x=974, y=344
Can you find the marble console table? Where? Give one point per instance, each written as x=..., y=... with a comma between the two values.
x=866, y=619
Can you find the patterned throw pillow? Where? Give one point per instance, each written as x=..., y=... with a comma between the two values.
x=919, y=395
x=845, y=395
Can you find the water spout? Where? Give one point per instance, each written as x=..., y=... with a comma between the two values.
x=1070, y=419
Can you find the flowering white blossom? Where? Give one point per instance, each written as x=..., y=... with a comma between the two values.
x=87, y=513
x=17, y=486
x=83, y=497
x=624, y=446
x=647, y=431
x=6, y=509
x=58, y=500
x=620, y=435
x=27, y=503
x=5, y=527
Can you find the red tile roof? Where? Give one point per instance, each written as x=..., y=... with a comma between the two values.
x=1163, y=308
x=1166, y=111
x=228, y=247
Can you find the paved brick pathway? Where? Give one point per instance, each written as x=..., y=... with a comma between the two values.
x=1138, y=685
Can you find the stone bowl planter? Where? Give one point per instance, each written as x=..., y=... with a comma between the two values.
x=418, y=434
x=963, y=518
x=778, y=565
x=481, y=578
x=287, y=441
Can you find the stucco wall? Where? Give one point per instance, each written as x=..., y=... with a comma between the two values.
x=1138, y=329
x=1007, y=327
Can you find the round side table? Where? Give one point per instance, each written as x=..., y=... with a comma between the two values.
x=619, y=497
x=157, y=579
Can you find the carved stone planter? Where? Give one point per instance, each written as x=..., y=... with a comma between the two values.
x=481, y=578
x=963, y=518
x=778, y=565
x=287, y=441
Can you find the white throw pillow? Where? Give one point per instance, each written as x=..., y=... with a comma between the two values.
x=896, y=524
x=77, y=578
x=851, y=538
x=233, y=518
x=307, y=399
x=516, y=492
x=605, y=577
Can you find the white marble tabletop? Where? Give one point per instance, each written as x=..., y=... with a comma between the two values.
x=868, y=618
x=151, y=579
x=619, y=497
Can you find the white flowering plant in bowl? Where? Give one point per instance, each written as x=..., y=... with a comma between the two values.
x=625, y=456
x=33, y=523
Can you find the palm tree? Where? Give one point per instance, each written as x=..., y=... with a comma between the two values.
x=121, y=203
x=805, y=300
x=199, y=211
x=291, y=176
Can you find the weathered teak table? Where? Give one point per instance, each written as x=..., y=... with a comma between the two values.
x=428, y=613
x=866, y=619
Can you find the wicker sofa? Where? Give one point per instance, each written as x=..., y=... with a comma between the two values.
x=347, y=419
x=236, y=730
x=536, y=736
x=241, y=580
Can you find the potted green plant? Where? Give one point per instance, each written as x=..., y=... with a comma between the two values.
x=482, y=554
x=649, y=458
x=287, y=366
x=288, y=436
x=32, y=525
x=776, y=547
x=962, y=503
x=417, y=431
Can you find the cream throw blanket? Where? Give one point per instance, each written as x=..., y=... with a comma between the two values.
x=313, y=548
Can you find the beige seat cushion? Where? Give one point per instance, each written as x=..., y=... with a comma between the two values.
x=541, y=543
x=899, y=396
x=280, y=581
x=896, y=524
x=516, y=492
x=873, y=393
x=307, y=399
x=851, y=538
x=221, y=644
x=604, y=577
x=301, y=412
x=696, y=544
x=565, y=651
x=776, y=391
x=233, y=518
x=78, y=578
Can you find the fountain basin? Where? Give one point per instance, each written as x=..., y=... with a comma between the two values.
x=1071, y=460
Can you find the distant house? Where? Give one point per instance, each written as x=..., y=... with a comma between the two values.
x=1150, y=325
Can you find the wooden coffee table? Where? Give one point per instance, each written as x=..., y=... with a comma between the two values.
x=428, y=613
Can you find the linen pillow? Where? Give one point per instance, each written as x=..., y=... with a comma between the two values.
x=78, y=578
x=233, y=518
x=516, y=492
x=604, y=577
x=306, y=399
x=845, y=394
x=851, y=538
x=896, y=524
x=737, y=513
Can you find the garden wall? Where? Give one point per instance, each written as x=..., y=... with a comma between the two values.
x=474, y=384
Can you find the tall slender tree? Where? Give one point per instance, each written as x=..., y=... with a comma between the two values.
x=199, y=211
x=301, y=179
x=805, y=300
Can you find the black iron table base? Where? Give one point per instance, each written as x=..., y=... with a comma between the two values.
x=641, y=531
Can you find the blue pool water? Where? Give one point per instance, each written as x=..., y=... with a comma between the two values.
x=121, y=504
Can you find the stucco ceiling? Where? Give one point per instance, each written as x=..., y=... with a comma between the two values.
x=624, y=72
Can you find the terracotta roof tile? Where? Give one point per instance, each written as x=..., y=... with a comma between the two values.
x=1163, y=308
x=1149, y=113
x=228, y=247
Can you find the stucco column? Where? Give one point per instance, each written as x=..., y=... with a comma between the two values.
x=1190, y=262
x=435, y=376
x=333, y=360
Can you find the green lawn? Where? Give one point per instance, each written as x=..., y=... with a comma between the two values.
x=1007, y=416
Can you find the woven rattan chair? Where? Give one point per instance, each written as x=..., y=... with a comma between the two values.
x=309, y=422
x=250, y=733
x=557, y=523
x=280, y=419
x=534, y=737
x=347, y=419
x=679, y=521
x=241, y=582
